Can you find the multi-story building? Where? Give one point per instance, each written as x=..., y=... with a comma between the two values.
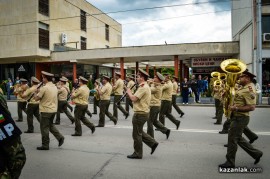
x=244, y=30
x=30, y=30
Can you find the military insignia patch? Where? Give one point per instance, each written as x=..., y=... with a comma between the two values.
x=252, y=96
x=250, y=89
x=2, y=119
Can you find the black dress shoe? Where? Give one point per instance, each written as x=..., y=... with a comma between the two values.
x=226, y=145
x=76, y=135
x=99, y=126
x=252, y=140
x=42, y=148
x=90, y=115
x=217, y=123
x=93, y=129
x=115, y=122
x=28, y=131
x=177, y=125
x=56, y=123
x=94, y=113
x=127, y=115
x=134, y=156
x=182, y=114
x=226, y=165
x=154, y=148
x=257, y=160
x=157, y=129
x=72, y=122
x=19, y=120
x=61, y=141
x=223, y=132
x=214, y=117
x=168, y=133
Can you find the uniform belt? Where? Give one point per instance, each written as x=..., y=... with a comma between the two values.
x=140, y=112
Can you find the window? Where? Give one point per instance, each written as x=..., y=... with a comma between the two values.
x=44, y=36
x=265, y=24
x=83, y=43
x=107, y=32
x=83, y=20
x=43, y=7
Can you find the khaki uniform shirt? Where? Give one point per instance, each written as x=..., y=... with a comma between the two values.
x=20, y=91
x=81, y=95
x=130, y=84
x=245, y=96
x=175, y=87
x=48, y=94
x=1, y=91
x=106, y=91
x=29, y=93
x=167, y=91
x=156, y=92
x=143, y=94
x=63, y=93
x=118, y=87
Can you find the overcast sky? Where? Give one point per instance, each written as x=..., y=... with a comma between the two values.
x=187, y=21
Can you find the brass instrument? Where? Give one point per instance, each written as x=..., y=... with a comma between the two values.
x=222, y=76
x=233, y=68
x=215, y=74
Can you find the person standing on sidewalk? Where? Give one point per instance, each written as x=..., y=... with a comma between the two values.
x=185, y=90
x=174, y=96
x=194, y=87
x=47, y=95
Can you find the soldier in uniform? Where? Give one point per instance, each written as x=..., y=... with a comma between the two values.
x=96, y=96
x=166, y=102
x=48, y=108
x=21, y=103
x=63, y=91
x=80, y=97
x=141, y=100
x=12, y=153
x=174, y=93
x=217, y=90
x=118, y=93
x=33, y=105
x=156, y=91
x=104, y=103
x=130, y=84
x=244, y=102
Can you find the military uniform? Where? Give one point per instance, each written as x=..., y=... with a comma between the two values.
x=62, y=102
x=118, y=93
x=141, y=115
x=96, y=96
x=32, y=107
x=239, y=121
x=130, y=84
x=156, y=91
x=48, y=108
x=218, y=105
x=174, y=95
x=166, y=103
x=104, y=104
x=12, y=153
x=21, y=102
x=80, y=98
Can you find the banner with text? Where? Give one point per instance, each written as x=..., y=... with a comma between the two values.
x=207, y=61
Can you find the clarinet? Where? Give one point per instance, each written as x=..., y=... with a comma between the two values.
x=32, y=95
x=124, y=95
x=75, y=87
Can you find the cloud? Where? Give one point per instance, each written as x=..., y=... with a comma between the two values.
x=180, y=24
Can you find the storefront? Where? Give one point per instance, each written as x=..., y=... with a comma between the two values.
x=21, y=70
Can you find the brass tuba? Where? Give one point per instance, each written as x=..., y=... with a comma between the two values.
x=233, y=68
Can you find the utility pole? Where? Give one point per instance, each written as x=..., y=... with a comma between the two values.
x=259, y=47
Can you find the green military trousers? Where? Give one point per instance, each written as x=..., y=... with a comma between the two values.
x=104, y=110
x=165, y=110
x=79, y=113
x=116, y=107
x=32, y=110
x=62, y=107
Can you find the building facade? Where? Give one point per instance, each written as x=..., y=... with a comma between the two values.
x=244, y=30
x=30, y=30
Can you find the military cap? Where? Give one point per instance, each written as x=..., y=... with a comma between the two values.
x=47, y=74
x=160, y=76
x=106, y=77
x=83, y=79
x=175, y=77
x=118, y=73
x=23, y=80
x=97, y=80
x=143, y=72
x=63, y=79
x=34, y=79
x=247, y=73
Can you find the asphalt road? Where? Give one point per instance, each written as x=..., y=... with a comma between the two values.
x=193, y=151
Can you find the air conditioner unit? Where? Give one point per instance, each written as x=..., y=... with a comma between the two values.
x=266, y=37
x=64, y=38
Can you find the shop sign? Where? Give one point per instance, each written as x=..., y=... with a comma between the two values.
x=21, y=68
x=203, y=70
x=207, y=61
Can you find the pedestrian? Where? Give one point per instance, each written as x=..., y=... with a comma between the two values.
x=156, y=92
x=12, y=152
x=244, y=102
x=80, y=98
x=174, y=96
x=258, y=90
x=166, y=102
x=194, y=87
x=21, y=102
x=47, y=95
x=205, y=85
x=200, y=87
x=63, y=91
x=185, y=90
x=141, y=100
x=33, y=105
x=118, y=89
x=9, y=86
x=105, y=96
